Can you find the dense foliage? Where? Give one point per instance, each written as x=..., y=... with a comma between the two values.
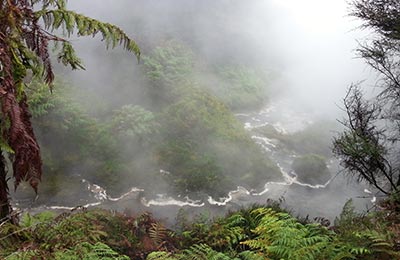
x=202, y=145
x=253, y=233
x=190, y=134
x=239, y=87
x=311, y=168
x=186, y=141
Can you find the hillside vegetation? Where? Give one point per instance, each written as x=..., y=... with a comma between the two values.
x=191, y=133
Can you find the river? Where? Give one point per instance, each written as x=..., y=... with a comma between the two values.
x=302, y=199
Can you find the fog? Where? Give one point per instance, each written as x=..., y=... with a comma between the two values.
x=309, y=44
x=306, y=49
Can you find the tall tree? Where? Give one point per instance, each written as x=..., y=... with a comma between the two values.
x=27, y=27
x=369, y=147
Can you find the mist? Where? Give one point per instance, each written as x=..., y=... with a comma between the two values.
x=309, y=45
x=303, y=50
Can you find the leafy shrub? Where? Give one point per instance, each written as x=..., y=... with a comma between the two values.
x=198, y=114
x=134, y=123
x=368, y=234
x=240, y=87
x=311, y=168
x=190, y=171
x=169, y=68
x=169, y=63
x=207, y=147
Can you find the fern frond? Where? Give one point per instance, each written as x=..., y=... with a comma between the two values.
x=86, y=26
x=203, y=252
x=87, y=251
x=281, y=236
x=103, y=251
x=360, y=251
x=158, y=233
x=250, y=255
x=67, y=56
x=160, y=255
x=60, y=4
x=235, y=220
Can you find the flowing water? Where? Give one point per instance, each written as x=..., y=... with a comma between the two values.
x=318, y=200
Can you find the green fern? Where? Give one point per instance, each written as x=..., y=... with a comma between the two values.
x=43, y=217
x=67, y=230
x=87, y=251
x=372, y=243
x=9, y=237
x=23, y=255
x=281, y=236
x=366, y=235
x=84, y=26
x=160, y=255
x=202, y=252
x=250, y=255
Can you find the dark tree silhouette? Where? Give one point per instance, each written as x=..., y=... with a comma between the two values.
x=24, y=50
x=369, y=147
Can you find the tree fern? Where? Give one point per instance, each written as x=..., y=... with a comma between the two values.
x=84, y=26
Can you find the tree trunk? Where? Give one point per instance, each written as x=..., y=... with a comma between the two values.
x=5, y=207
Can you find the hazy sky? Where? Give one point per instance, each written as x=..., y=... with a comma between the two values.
x=316, y=40
x=328, y=13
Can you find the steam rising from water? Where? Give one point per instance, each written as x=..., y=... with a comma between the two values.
x=307, y=45
x=300, y=196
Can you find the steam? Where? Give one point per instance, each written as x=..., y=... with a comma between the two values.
x=306, y=46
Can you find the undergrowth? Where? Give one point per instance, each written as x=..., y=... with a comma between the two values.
x=254, y=233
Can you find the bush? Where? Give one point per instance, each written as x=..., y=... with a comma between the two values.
x=240, y=87
x=204, y=140
x=311, y=168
